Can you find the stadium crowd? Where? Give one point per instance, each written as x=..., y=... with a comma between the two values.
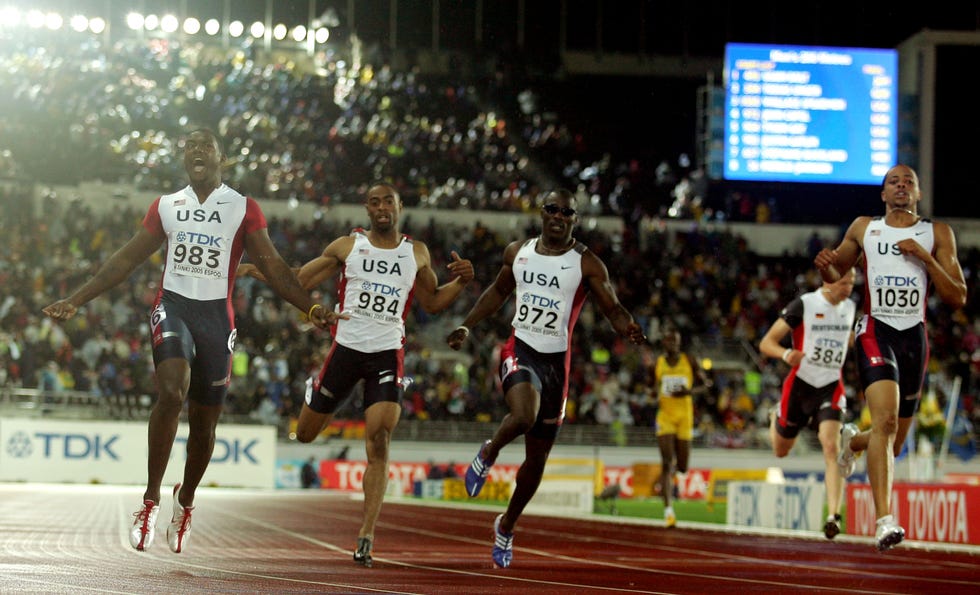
x=74, y=113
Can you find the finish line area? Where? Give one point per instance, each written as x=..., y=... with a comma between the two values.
x=57, y=538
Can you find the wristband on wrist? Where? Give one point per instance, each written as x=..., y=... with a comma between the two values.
x=312, y=309
x=786, y=354
x=465, y=329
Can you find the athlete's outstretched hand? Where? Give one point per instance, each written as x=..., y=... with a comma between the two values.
x=324, y=318
x=60, y=310
x=456, y=338
x=461, y=268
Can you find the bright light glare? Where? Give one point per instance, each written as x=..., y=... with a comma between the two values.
x=236, y=28
x=257, y=29
x=279, y=32
x=96, y=25
x=299, y=33
x=9, y=16
x=151, y=22
x=134, y=21
x=322, y=35
x=78, y=23
x=169, y=23
x=35, y=19
x=212, y=27
x=53, y=21
x=192, y=26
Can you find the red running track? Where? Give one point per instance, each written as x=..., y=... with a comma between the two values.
x=73, y=539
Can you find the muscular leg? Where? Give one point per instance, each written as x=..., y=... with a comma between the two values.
x=524, y=403
x=882, y=397
x=173, y=378
x=904, y=423
x=536, y=451
x=829, y=435
x=379, y=423
x=683, y=454
x=668, y=463
x=310, y=424
x=780, y=445
x=202, y=420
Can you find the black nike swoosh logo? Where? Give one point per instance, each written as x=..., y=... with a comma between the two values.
x=566, y=268
x=222, y=202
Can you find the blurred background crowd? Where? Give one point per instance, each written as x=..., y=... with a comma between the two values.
x=76, y=113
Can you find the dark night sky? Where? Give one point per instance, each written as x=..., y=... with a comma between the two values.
x=672, y=28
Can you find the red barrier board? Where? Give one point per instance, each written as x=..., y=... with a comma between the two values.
x=349, y=475
x=948, y=513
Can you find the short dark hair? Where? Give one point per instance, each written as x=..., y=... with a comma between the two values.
x=211, y=133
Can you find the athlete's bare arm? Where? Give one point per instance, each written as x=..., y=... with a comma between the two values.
x=830, y=263
x=325, y=266
x=491, y=299
x=117, y=268
x=433, y=297
x=596, y=275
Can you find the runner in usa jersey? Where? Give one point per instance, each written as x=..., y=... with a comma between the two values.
x=903, y=255
x=549, y=297
x=381, y=272
x=205, y=240
x=376, y=289
x=205, y=228
x=819, y=323
x=897, y=284
x=548, y=277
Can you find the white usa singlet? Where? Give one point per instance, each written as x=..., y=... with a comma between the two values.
x=549, y=297
x=376, y=288
x=823, y=336
x=896, y=286
x=205, y=241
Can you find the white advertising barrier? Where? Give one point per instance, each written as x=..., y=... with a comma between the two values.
x=60, y=451
x=562, y=496
x=796, y=506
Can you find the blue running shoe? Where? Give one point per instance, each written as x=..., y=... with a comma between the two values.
x=476, y=473
x=503, y=545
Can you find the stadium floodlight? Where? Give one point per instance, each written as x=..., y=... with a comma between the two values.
x=257, y=29
x=151, y=22
x=96, y=25
x=134, y=21
x=322, y=35
x=35, y=19
x=9, y=16
x=53, y=21
x=192, y=26
x=169, y=23
x=78, y=23
x=236, y=28
x=279, y=32
x=299, y=33
x=212, y=27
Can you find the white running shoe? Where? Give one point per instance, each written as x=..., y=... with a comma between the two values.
x=180, y=524
x=145, y=526
x=889, y=534
x=670, y=518
x=847, y=458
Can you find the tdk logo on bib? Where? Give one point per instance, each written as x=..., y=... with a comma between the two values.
x=199, y=239
x=896, y=281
